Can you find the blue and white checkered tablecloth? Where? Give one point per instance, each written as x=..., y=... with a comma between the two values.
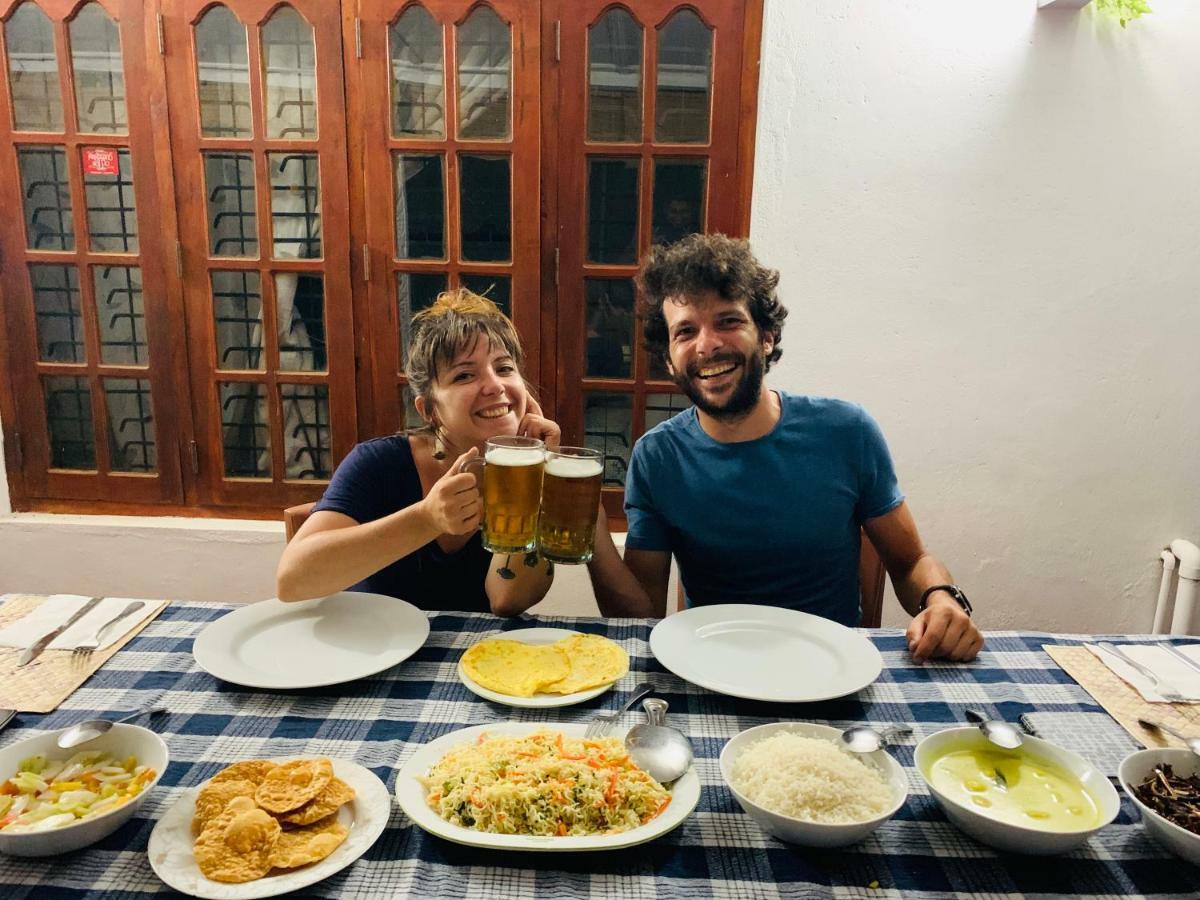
x=718, y=851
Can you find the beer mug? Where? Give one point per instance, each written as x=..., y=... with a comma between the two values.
x=570, y=503
x=512, y=492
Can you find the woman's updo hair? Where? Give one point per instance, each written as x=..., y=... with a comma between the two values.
x=447, y=329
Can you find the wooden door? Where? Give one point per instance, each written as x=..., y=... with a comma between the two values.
x=257, y=111
x=444, y=132
x=649, y=147
x=95, y=385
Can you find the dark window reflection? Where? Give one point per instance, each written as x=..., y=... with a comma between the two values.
x=610, y=322
x=612, y=210
x=678, y=204
x=420, y=207
x=486, y=212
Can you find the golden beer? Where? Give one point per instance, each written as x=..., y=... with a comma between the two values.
x=512, y=493
x=570, y=503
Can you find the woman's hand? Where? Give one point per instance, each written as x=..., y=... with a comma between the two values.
x=453, y=504
x=534, y=424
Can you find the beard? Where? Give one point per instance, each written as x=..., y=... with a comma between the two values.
x=741, y=400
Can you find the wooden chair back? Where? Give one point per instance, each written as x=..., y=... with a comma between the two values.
x=294, y=517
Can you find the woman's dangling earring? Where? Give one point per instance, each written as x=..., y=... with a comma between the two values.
x=439, y=449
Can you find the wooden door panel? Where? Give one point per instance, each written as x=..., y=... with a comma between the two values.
x=256, y=97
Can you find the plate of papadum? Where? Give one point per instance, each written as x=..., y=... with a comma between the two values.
x=262, y=827
x=542, y=667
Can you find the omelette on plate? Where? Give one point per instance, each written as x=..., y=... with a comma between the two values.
x=575, y=663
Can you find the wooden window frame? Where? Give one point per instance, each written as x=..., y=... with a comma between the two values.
x=358, y=262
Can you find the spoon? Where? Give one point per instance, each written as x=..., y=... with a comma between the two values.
x=663, y=752
x=999, y=732
x=1193, y=744
x=82, y=732
x=865, y=739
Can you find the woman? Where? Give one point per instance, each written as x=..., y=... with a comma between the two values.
x=400, y=515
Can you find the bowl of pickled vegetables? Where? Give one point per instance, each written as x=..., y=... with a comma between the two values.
x=54, y=801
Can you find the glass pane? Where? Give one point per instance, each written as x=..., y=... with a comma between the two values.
x=295, y=204
x=112, y=209
x=484, y=69
x=660, y=407
x=658, y=367
x=607, y=419
x=99, y=76
x=612, y=210
x=131, y=446
x=414, y=292
x=485, y=208
x=420, y=207
x=306, y=448
x=497, y=288
x=232, y=220
x=58, y=313
x=412, y=418
x=683, y=74
x=615, y=78
x=237, y=313
x=678, y=206
x=245, y=434
x=33, y=70
x=69, y=419
x=418, y=91
x=120, y=315
x=610, y=321
x=46, y=193
x=223, y=75
x=300, y=318
x=290, y=61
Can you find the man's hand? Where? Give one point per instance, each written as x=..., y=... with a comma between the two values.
x=943, y=629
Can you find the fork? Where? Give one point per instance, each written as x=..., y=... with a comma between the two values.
x=603, y=723
x=84, y=650
x=1164, y=690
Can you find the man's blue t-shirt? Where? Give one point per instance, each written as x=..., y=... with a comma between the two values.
x=377, y=478
x=774, y=520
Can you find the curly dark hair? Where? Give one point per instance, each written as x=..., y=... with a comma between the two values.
x=702, y=262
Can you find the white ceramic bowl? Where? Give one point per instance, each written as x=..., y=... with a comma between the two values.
x=1134, y=769
x=1004, y=835
x=122, y=741
x=798, y=831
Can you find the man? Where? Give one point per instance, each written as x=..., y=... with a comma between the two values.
x=760, y=494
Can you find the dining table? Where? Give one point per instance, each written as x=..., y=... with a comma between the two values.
x=718, y=851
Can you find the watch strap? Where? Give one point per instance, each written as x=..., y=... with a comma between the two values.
x=953, y=590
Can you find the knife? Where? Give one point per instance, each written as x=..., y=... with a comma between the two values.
x=33, y=652
x=6, y=716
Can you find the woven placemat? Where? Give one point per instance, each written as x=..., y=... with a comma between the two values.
x=1122, y=701
x=43, y=684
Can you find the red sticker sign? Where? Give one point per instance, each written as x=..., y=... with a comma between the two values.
x=100, y=161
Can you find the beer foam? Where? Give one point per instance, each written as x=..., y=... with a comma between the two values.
x=514, y=456
x=573, y=467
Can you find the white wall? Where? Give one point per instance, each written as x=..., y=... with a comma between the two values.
x=985, y=218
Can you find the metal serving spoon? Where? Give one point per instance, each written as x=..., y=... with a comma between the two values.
x=1193, y=744
x=82, y=732
x=999, y=732
x=865, y=739
x=665, y=753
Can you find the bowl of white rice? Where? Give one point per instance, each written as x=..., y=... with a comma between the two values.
x=795, y=780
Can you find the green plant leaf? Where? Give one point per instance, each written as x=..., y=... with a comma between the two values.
x=1124, y=11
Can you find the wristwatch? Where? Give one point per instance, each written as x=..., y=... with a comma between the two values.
x=953, y=590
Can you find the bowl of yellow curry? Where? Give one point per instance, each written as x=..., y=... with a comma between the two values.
x=1038, y=799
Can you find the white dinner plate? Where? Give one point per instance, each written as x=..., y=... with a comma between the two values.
x=410, y=794
x=313, y=643
x=765, y=653
x=537, y=701
x=170, y=849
